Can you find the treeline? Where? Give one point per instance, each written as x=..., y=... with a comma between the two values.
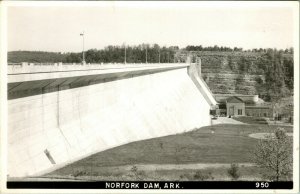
x=34, y=57
x=279, y=75
x=212, y=48
x=143, y=53
x=236, y=49
x=111, y=54
x=277, y=68
x=116, y=54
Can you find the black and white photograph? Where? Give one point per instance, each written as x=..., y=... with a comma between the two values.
x=153, y=96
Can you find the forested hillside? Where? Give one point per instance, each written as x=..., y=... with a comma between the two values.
x=267, y=72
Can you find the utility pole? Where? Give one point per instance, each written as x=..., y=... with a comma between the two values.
x=83, y=60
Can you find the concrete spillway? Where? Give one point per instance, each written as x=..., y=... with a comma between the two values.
x=59, y=116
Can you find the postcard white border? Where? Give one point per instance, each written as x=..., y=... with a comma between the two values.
x=148, y=4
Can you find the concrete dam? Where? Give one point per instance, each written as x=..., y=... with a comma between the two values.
x=61, y=113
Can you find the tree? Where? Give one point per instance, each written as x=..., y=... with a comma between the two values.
x=233, y=171
x=289, y=72
x=274, y=155
x=74, y=58
x=274, y=75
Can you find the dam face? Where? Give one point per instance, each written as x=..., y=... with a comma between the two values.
x=58, y=115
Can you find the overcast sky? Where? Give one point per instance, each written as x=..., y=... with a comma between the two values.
x=57, y=28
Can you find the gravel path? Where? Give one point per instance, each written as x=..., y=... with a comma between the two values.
x=265, y=135
x=151, y=167
x=226, y=120
x=140, y=167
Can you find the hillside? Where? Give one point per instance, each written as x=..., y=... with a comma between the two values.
x=240, y=72
x=229, y=72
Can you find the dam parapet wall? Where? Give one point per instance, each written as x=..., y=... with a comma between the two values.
x=27, y=68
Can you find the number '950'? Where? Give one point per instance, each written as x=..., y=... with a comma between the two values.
x=261, y=184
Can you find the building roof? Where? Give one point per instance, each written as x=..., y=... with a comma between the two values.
x=248, y=99
x=257, y=107
x=234, y=99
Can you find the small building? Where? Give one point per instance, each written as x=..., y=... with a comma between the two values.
x=242, y=105
x=258, y=111
x=235, y=106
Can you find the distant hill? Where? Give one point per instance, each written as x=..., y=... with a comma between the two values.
x=35, y=57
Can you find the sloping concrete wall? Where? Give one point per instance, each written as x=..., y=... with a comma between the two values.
x=50, y=129
x=194, y=71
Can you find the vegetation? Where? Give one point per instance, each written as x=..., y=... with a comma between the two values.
x=111, y=54
x=248, y=173
x=278, y=75
x=134, y=54
x=229, y=144
x=233, y=171
x=210, y=48
x=202, y=176
x=284, y=109
x=268, y=74
x=228, y=49
x=35, y=57
x=251, y=120
x=275, y=155
x=137, y=174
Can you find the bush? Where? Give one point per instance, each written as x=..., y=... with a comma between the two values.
x=233, y=171
x=138, y=174
x=275, y=155
x=80, y=173
x=199, y=175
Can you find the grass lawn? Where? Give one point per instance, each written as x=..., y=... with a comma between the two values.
x=251, y=120
x=228, y=144
x=117, y=173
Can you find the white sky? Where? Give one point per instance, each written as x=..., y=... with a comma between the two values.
x=57, y=28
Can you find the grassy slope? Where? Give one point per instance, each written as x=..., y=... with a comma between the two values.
x=285, y=105
x=229, y=144
x=251, y=120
